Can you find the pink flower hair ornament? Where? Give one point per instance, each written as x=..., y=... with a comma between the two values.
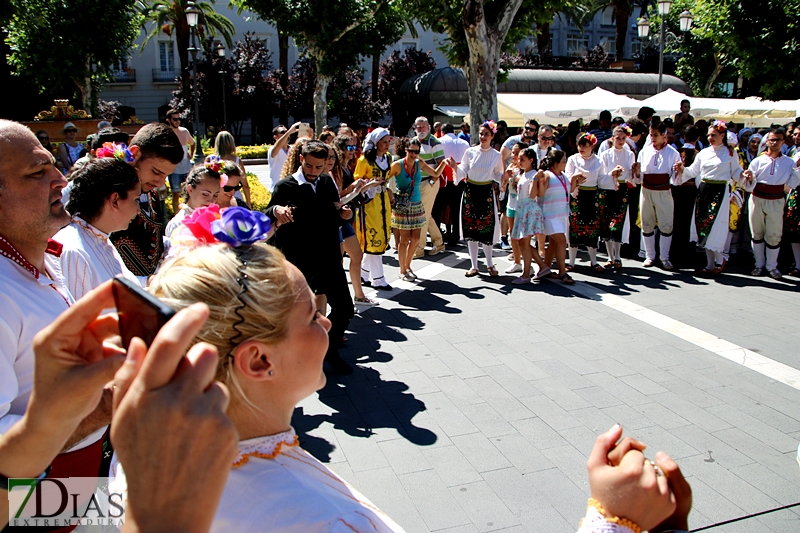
x=236, y=226
x=120, y=152
x=627, y=129
x=720, y=126
x=589, y=137
x=491, y=124
x=223, y=180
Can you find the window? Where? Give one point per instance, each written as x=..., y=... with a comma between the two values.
x=607, y=17
x=636, y=47
x=166, y=56
x=120, y=65
x=577, y=44
x=609, y=45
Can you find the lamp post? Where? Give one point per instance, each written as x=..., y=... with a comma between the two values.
x=661, y=40
x=192, y=17
x=221, y=55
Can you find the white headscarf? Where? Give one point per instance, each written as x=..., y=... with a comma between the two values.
x=373, y=137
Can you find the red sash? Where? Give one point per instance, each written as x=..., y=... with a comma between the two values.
x=768, y=192
x=656, y=182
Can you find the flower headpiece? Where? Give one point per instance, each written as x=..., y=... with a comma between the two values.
x=719, y=125
x=491, y=124
x=120, y=152
x=217, y=164
x=628, y=129
x=589, y=137
x=236, y=226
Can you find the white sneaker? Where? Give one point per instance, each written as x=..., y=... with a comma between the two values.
x=516, y=267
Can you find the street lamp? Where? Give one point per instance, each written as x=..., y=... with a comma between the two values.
x=221, y=55
x=192, y=17
x=663, y=37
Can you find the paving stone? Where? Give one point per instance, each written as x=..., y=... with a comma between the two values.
x=690, y=411
x=487, y=420
x=538, y=433
x=756, y=428
x=480, y=452
x=451, y=465
x=483, y=506
x=521, y=453
x=433, y=501
x=729, y=485
x=551, y=413
x=384, y=489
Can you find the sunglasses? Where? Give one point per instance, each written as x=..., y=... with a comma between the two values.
x=412, y=151
x=70, y=131
x=332, y=157
x=44, y=138
x=351, y=147
x=231, y=188
x=547, y=138
x=282, y=132
x=528, y=128
x=174, y=118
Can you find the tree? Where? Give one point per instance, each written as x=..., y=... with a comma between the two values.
x=45, y=47
x=249, y=93
x=333, y=33
x=398, y=68
x=477, y=32
x=169, y=16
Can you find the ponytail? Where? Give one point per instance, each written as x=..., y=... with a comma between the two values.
x=552, y=157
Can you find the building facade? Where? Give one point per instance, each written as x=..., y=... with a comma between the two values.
x=145, y=81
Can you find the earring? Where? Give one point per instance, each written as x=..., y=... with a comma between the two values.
x=271, y=373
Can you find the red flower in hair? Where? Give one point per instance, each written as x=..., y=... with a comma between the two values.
x=199, y=223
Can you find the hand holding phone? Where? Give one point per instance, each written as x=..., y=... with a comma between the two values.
x=140, y=313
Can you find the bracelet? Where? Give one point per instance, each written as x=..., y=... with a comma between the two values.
x=4, y=479
x=613, y=519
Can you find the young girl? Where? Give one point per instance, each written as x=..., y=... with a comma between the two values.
x=529, y=220
x=202, y=188
x=225, y=148
x=235, y=183
x=555, y=209
x=408, y=213
x=618, y=163
x=510, y=184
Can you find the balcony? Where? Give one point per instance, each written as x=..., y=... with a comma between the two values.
x=165, y=76
x=124, y=76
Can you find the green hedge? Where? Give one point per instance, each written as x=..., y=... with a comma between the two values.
x=247, y=152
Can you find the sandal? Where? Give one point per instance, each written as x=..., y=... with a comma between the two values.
x=493, y=272
x=569, y=268
x=472, y=272
x=794, y=272
x=568, y=280
x=365, y=301
x=609, y=264
x=617, y=264
x=597, y=268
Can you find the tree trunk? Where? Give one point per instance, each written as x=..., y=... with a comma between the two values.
x=543, y=38
x=321, y=101
x=283, y=65
x=376, y=69
x=708, y=89
x=622, y=13
x=484, y=43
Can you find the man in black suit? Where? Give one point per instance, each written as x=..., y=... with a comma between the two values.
x=306, y=206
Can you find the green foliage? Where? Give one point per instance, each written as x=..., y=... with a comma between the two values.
x=758, y=42
x=169, y=16
x=70, y=45
x=259, y=195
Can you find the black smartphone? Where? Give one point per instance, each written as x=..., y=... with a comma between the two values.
x=140, y=313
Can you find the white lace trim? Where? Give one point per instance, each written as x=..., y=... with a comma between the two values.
x=265, y=446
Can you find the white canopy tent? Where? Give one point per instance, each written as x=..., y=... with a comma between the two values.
x=668, y=103
x=752, y=111
x=517, y=108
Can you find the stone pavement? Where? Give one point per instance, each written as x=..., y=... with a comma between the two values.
x=475, y=403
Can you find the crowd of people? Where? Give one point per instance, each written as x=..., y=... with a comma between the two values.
x=253, y=331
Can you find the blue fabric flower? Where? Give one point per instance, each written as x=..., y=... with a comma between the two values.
x=240, y=226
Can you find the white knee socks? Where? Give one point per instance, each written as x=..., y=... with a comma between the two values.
x=573, y=255
x=772, y=258
x=592, y=256
x=664, y=241
x=650, y=246
x=472, y=247
x=759, y=251
x=487, y=251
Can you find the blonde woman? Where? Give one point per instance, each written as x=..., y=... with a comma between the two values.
x=225, y=148
x=271, y=341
